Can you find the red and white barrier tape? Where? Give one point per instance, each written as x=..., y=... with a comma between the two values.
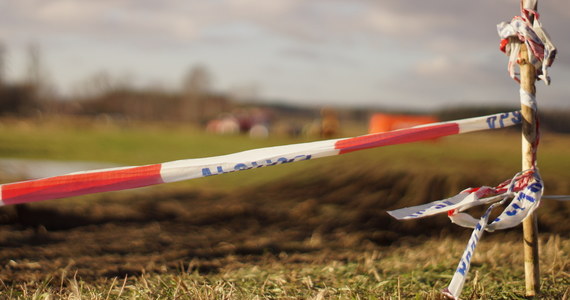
x=541, y=50
x=115, y=179
x=525, y=190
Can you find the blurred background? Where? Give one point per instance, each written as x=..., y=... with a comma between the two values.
x=197, y=61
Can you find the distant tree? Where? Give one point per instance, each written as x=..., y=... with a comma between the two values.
x=245, y=93
x=196, y=88
x=38, y=80
x=17, y=100
x=101, y=83
x=197, y=80
x=34, y=73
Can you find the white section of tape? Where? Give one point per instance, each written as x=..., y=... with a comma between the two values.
x=528, y=99
x=462, y=201
x=495, y=121
x=529, y=4
x=256, y=158
x=458, y=281
x=464, y=220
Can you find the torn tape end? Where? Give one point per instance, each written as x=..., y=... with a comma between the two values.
x=448, y=294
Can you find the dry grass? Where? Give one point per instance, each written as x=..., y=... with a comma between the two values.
x=409, y=270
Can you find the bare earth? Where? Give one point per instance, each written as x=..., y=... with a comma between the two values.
x=155, y=232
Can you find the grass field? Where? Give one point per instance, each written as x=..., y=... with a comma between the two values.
x=494, y=153
x=316, y=234
x=402, y=272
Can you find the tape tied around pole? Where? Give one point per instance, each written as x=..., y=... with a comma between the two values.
x=520, y=29
x=528, y=99
x=525, y=190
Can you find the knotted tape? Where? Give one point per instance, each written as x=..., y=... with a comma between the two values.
x=524, y=190
x=522, y=30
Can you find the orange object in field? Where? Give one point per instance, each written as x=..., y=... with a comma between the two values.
x=388, y=122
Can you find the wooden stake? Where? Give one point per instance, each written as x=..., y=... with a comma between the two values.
x=529, y=138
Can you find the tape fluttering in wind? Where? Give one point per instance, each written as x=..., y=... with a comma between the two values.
x=524, y=189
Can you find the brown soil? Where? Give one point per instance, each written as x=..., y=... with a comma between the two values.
x=131, y=233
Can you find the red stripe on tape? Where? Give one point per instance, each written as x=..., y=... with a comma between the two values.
x=396, y=137
x=80, y=184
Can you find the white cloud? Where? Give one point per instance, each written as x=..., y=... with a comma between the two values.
x=435, y=66
x=117, y=19
x=405, y=25
x=261, y=9
x=67, y=11
x=175, y=24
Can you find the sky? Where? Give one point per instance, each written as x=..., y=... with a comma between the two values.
x=368, y=53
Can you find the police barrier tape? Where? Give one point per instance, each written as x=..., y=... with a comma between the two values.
x=521, y=30
x=104, y=180
x=525, y=190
